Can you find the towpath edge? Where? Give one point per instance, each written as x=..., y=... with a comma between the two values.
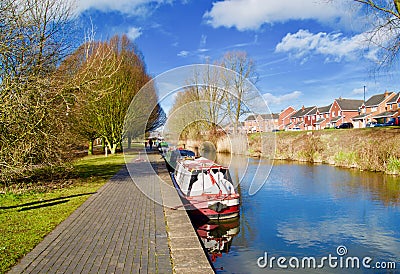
x=119, y=230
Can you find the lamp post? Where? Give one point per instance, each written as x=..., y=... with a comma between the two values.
x=365, y=110
x=364, y=95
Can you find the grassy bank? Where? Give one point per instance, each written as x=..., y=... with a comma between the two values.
x=29, y=211
x=374, y=149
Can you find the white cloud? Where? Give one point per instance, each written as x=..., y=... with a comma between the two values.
x=134, y=33
x=183, y=53
x=203, y=41
x=358, y=91
x=334, y=46
x=124, y=6
x=282, y=99
x=250, y=15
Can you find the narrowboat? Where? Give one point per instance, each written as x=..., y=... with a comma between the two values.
x=206, y=188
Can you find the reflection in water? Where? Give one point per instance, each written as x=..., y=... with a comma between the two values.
x=217, y=236
x=309, y=210
x=339, y=229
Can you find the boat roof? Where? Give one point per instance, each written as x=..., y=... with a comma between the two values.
x=200, y=163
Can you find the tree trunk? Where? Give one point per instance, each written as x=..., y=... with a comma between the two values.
x=113, y=148
x=129, y=141
x=103, y=143
x=90, y=150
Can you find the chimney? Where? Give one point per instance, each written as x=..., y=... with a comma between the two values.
x=386, y=93
x=302, y=108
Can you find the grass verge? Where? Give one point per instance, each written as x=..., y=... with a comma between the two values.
x=28, y=214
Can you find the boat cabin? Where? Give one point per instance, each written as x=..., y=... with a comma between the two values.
x=203, y=177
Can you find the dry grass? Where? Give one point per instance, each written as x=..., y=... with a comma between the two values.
x=235, y=144
x=372, y=149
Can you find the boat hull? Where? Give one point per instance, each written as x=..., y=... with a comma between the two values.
x=213, y=207
x=228, y=213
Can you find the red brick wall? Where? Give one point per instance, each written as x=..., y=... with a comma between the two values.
x=284, y=117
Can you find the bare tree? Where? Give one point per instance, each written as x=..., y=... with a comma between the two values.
x=385, y=31
x=34, y=37
x=239, y=84
x=202, y=106
x=108, y=76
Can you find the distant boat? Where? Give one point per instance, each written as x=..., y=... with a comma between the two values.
x=206, y=188
x=172, y=156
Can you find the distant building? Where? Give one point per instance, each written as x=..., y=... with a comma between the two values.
x=284, y=118
x=343, y=110
x=300, y=120
x=261, y=122
x=322, y=119
x=373, y=109
x=382, y=108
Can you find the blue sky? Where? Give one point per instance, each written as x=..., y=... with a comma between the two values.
x=306, y=52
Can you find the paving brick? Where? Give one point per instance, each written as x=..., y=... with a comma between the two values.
x=120, y=230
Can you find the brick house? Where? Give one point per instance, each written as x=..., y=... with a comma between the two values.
x=310, y=118
x=373, y=109
x=250, y=124
x=261, y=122
x=394, y=103
x=343, y=110
x=284, y=118
x=392, y=111
x=270, y=122
x=299, y=119
x=322, y=117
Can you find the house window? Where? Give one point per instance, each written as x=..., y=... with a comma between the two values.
x=390, y=106
x=398, y=105
x=333, y=114
x=374, y=109
x=339, y=113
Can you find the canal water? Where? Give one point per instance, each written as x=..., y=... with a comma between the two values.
x=317, y=218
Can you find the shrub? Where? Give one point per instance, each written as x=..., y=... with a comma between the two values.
x=393, y=165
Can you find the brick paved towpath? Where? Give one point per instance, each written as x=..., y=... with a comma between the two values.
x=119, y=230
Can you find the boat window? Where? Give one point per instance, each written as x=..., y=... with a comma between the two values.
x=193, y=179
x=227, y=175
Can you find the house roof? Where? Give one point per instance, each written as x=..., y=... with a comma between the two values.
x=394, y=99
x=360, y=117
x=377, y=99
x=324, y=109
x=251, y=117
x=290, y=113
x=319, y=121
x=303, y=111
x=313, y=111
x=385, y=114
x=334, y=120
x=349, y=104
x=270, y=116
